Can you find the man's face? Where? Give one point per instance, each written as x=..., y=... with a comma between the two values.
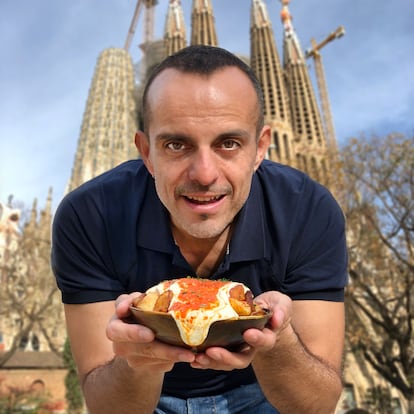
x=202, y=148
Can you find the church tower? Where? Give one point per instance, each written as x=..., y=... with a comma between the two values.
x=175, y=34
x=265, y=62
x=309, y=140
x=109, y=121
x=203, y=28
x=45, y=220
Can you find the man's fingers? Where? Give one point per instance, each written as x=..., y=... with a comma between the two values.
x=119, y=331
x=261, y=340
x=222, y=359
x=123, y=302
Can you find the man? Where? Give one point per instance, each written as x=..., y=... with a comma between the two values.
x=204, y=202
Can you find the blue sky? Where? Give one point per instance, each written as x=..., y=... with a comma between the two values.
x=49, y=48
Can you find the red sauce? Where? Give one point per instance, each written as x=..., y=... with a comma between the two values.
x=196, y=294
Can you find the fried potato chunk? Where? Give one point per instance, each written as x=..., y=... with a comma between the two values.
x=258, y=310
x=241, y=307
x=241, y=302
x=237, y=292
x=163, y=302
x=146, y=301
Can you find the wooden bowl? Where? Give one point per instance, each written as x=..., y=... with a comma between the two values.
x=225, y=333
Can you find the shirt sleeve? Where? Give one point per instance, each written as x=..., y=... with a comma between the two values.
x=81, y=259
x=318, y=261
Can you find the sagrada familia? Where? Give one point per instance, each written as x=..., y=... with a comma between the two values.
x=302, y=129
x=299, y=137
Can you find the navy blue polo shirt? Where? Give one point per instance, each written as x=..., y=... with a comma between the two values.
x=112, y=235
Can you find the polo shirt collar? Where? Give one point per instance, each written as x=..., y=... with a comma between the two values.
x=248, y=241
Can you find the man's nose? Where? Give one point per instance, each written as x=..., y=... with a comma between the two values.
x=204, y=168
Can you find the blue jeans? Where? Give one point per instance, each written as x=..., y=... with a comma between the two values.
x=247, y=399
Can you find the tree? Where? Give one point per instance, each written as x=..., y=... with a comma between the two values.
x=73, y=390
x=30, y=306
x=379, y=184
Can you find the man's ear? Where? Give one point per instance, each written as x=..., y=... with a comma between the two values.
x=143, y=147
x=262, y=145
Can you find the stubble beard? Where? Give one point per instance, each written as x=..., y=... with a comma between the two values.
x=205, y=228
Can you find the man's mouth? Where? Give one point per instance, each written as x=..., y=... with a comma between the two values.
x=204, y=200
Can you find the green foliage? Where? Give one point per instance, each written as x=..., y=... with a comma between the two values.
x=73, y=390
x=30, y=304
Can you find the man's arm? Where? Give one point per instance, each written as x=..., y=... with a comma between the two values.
x=297, y=359
x=121, y=375
x=302, y=372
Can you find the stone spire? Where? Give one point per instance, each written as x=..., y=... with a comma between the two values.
x=31, y=227
x=110, y=121
x=33, y=215
x=310, y=143
x=265, y=62
x=175, y=34
x=9, y=239
x=45, y=221
x=203, y=28
x=37, y=229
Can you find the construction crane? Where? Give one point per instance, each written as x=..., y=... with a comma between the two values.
x=322, y=87
x=148, y=22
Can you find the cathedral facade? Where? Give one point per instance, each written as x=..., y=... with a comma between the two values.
x=291, y=109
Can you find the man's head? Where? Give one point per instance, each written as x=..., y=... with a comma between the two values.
x=203, y=60
x=203, y=139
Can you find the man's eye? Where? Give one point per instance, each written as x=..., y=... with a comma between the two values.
x=230, y=144
x=175, y=146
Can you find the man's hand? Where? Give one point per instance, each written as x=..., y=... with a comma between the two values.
x=136, y=343
x=257, y=341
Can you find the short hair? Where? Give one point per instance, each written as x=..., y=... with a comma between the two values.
x=203, y=60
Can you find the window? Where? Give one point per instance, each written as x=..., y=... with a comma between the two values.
x=348, y=401
x=396, y=406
